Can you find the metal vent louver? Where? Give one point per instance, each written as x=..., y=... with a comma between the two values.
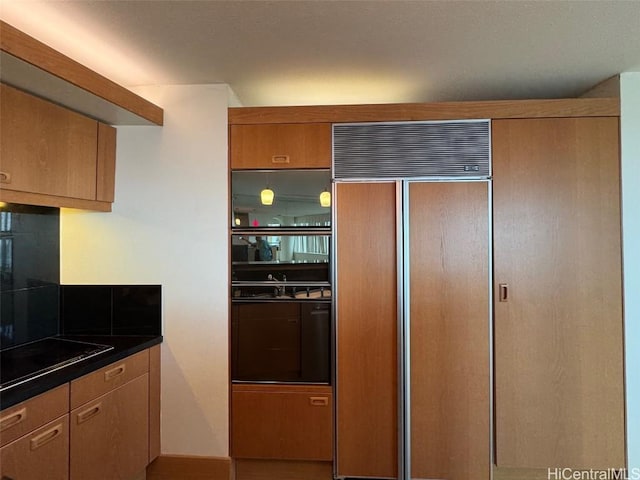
x=411, y=150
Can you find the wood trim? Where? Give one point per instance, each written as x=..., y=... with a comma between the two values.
x=282, y=470
x=577, y=107
x=154, y=402
x=27, y=198
x=34, y=52
x=520, y=474
x=184, y=467
x=609, y=88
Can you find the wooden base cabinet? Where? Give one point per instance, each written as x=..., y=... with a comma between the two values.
x=110, y=421
x=44, y=453
x=284, y=422
x=109, y=436
x=111, y=433
x=559, y=398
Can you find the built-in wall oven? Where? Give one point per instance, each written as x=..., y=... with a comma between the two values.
x=281, y=296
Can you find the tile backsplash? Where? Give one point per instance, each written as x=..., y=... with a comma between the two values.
x=29, y=273
x=110, y=309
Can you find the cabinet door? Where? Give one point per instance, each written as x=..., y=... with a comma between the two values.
x=367, y=417
x=303, y=145
x=45, y=148
x=286, y=422
x=558, y=319
x=43, y=453
x=449, y=330
x=106, y=163
x=110, y=435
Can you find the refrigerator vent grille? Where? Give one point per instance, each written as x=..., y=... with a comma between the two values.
x=412, y=150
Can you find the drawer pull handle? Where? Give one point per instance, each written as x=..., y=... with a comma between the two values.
x=319, y=401
x=89, y=413
x=46, y=437
x=503, y=292
x=114, y=372
x=280, y=159
x=13, y=419
x=5, y=177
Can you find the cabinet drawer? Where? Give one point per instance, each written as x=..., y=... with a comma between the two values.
x=21, y=419
x=106, y=379
x=287, y=422
x=41, y=454
x=275, y=146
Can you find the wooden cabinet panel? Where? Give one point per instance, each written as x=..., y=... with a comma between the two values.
x=288, y=422
x=97, y=383
x=154, y=403
x=271, y=146
x=46, y=149
x=106, y=163
x=449, y=330
x=366, y=330
x=110, y=435
x=558, y=337
x=282, y=470
x=24, y=417
x=44, y=453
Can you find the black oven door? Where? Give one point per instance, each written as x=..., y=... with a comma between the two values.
x=281, y=342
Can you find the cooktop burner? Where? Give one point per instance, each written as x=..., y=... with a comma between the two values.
x=22, y=363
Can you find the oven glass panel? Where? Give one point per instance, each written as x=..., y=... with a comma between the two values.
x=295, y=203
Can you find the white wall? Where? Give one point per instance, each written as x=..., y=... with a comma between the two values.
x=630, y=140
x=169, y=227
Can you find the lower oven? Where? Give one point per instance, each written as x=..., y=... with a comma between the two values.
x=281, y=341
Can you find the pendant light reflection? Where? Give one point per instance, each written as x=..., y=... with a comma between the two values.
x=266, y=196
x=325, y=199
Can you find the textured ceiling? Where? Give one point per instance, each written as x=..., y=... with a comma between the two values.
x=340, y=51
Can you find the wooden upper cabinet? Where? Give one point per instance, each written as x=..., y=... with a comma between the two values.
x=559, y=382
x=275, y=146
x=53, y=156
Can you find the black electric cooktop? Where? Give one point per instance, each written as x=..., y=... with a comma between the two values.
x=22, y=363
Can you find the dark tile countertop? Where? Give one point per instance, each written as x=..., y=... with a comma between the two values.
x=123, y=346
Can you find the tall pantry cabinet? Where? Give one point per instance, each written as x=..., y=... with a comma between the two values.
x=558, y=310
